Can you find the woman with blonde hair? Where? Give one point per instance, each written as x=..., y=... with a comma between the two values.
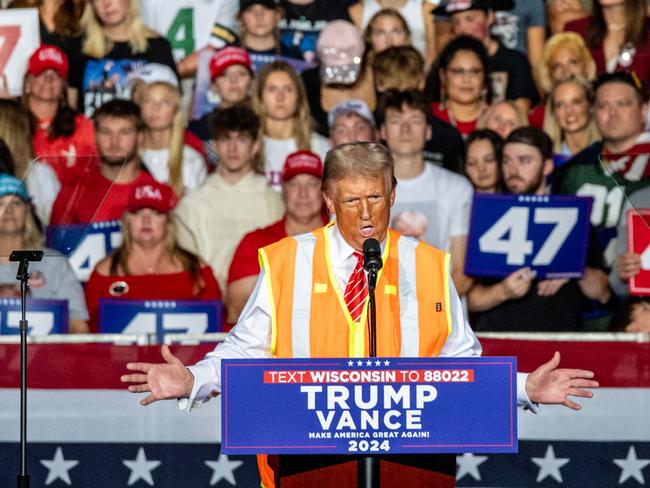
x=502, y=117
x=565, y=54
x=162, y=146
x=569, y=122
x=281, y=103
x=115, y=46
x=149, y=265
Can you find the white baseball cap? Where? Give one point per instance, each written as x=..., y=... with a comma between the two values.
x=155, y=73
x=358, y=107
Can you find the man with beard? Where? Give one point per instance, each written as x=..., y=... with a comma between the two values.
x=101, y=191
x=519, y=302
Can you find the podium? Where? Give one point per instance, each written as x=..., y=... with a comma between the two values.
x=317, y=422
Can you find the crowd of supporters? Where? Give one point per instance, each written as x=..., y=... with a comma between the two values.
x=202, y=127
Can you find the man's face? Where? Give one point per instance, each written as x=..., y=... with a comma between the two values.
x=233, y=85
x=303, y=197
x=236, y=150
x=405, y=131
x=524, y=169
x=362, y=207
x=350, y=127
x=475, y=23
x=117, y=140
x=619, y=113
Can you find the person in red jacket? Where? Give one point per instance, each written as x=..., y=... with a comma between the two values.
x=149, y=265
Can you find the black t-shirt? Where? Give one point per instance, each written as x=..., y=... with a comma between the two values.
x=301, y=25
x=69, y=45
x=99, y=80
x=562, y=312
x=511, y=77
x=532, y=313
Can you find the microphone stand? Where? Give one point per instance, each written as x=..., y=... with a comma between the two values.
x=368, y=466
x=23, y=258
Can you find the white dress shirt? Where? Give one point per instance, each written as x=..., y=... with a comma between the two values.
x=251, y=337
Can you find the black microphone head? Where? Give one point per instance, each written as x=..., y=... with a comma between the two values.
x=371, y=255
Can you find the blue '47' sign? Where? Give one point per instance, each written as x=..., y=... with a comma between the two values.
x=549, y=234
x=85, y=245
x=160, y=317
x=43, y=316
x=369, y=405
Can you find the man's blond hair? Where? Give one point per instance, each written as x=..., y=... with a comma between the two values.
x=368, y=159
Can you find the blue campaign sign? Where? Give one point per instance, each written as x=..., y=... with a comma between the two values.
x=361, y=405
x=43, y=316
x=85, y=245
x=160, y=317
x=549, y=234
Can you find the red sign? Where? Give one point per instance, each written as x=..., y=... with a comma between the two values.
x=638, y=242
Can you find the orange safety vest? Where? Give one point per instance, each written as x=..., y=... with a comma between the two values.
x=310, y=319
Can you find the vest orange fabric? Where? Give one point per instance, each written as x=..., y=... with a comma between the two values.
x=410, y=306
x=334, y=334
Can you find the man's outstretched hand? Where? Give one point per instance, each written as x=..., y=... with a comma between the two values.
x=549, y=384
x=162, y=381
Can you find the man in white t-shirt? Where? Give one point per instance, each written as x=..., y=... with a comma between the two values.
x=431, y=203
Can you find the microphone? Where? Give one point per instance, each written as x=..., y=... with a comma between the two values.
x=371, y=255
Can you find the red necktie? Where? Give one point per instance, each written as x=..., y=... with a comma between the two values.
x=356, y=290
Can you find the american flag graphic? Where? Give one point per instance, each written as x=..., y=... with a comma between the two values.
x=85, y=430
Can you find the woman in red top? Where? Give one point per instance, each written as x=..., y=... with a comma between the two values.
x=62, y=139
x=462, y=68
x=618, y=36
x=149, y=265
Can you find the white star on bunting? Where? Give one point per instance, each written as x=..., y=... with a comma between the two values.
x=468, y=463
x=58, y=467
x=141, y=468
x=631, y=467
x=549, y=465
x=223, y=469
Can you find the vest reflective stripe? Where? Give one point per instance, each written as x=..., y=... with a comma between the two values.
x=412, y=300
x=301, y=310
x=264, y=264
x=408, y=313
x=448, y=293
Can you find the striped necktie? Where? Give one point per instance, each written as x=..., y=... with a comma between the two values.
x=356, y=290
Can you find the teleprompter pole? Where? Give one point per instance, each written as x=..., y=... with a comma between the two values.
x=23, y=258
x=368, y=466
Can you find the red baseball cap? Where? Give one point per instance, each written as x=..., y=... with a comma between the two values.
x=48, y=57
x=302, y=162
x=227, y=57
x=154, y=195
